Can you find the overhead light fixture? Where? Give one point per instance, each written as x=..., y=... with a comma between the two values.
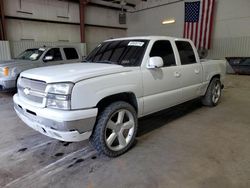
x=168, y=21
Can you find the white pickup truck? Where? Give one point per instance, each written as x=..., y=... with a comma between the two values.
x=122, y=80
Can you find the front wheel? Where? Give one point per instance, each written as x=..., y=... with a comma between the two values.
x=115, y=129
x=213, y=94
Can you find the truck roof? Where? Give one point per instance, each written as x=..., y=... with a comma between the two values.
x=148, y=38
x=57, y=46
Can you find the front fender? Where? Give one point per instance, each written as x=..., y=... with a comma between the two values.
x=15, y=72
x=87, y=93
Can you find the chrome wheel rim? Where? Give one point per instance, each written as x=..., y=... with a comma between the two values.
x=216, y=93
x=120, y=129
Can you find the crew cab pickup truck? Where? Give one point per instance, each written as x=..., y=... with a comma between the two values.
x=32, y=58
x=120, y=81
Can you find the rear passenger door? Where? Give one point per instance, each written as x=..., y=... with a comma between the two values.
x=71, y=55
x=161, y=85
x=191, y=71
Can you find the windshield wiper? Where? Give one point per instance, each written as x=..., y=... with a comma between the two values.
x=107, y=62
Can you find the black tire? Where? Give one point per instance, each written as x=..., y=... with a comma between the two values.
x=99, y=136
x=207, y=99
x=16, y=82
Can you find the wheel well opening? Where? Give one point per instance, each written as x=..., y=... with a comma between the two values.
x=215, y=76
x=127, y=97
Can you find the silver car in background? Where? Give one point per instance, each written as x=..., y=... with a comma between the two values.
x=33, y=58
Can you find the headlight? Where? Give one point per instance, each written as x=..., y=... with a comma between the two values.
x=59, y=95
x=60, y=88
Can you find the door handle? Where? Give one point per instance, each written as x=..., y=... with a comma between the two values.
x=197, y=71
x=177, y=74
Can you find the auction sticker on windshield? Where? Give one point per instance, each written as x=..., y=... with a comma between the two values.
x=135, y=43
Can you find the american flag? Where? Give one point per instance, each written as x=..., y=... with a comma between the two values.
x=199, y=22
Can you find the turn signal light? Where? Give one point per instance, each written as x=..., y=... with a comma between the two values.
x=6, y=71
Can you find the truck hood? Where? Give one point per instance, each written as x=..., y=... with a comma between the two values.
x=72, y=72
x=13, y=62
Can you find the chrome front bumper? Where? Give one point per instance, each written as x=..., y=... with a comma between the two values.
x=70, y=131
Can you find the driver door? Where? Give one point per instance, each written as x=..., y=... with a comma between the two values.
x=161, y=85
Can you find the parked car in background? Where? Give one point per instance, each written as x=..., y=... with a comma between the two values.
x=121, y=81
x=32, y=58
x=240, y=65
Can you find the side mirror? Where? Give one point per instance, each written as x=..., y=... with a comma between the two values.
x=155, y=62
x=48, y=58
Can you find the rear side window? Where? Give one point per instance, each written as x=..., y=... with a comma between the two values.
x=70, y=53
x=164, y=50
x=186, y=52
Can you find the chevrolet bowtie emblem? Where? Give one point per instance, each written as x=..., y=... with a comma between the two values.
x=26, y=91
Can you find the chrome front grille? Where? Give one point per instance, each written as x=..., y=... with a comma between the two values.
x=35, y=89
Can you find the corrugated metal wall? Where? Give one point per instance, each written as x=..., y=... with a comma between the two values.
x=4, y=50
x=19, y=46
x=230, y=47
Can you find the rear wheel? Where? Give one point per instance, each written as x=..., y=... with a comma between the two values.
x=115, y=129
x=213, y=93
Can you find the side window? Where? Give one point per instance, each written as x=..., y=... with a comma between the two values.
x=163, y=49
x=186, y=52
x=70, y=53
x=55, y=54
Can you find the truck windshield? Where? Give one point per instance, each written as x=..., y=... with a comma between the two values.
x=31, y=54
x=119, y=52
